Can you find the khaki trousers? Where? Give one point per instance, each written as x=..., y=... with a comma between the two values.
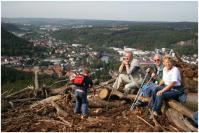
x=131, y=83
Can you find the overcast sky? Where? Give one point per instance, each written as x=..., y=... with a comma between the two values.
x=129, y=10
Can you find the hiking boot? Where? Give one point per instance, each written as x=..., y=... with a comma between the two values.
x=153, y=114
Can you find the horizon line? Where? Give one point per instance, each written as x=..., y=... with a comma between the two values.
x=95, y=19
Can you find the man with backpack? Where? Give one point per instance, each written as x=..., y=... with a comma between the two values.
x=82, y=82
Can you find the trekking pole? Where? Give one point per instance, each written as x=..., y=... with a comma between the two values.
x=113, y=88
x=139, y=91
x=149, y=80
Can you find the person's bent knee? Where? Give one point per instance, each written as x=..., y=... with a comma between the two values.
x=121, y=76
x=126, y=88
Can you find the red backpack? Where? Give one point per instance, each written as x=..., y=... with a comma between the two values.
x=79, y=80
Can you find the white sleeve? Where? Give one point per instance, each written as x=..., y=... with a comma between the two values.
x=164, y=75
x=176, y=75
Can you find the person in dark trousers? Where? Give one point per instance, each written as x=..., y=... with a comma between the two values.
x=170, y=86
x=81, y=104
x=156, y=76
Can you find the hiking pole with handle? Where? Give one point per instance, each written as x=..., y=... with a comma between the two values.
x=113, y=88
x=139, y=91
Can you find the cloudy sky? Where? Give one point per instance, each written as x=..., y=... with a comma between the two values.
x=102, y=10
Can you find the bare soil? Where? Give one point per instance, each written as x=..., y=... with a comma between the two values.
x=44, y=118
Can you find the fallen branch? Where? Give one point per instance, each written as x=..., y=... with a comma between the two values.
x=145, y=121
x=23, y=100
x=59, y=110
x=157, y=124
x=4, y=93
x=46, y=101
x=18, y=92
x=68, y=123
x=53, y=121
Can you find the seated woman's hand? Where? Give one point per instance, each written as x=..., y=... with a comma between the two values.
x=160, y=92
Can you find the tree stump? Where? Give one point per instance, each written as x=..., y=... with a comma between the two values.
x=104, y=93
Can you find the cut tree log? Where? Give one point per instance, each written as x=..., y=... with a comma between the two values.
x=177, y=119
x=180, y=108
x=46, y=101
x=172, y=103
x=98, y=103
x=105, y=92
x=192, y=101
x=189, y=125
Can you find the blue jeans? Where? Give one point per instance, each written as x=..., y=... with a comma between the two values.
x=156, y=101
x=81, y=102
x=147, y=89
x=195, y=117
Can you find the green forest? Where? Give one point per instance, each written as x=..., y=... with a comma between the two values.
x=12, y=79
x=143, y=36
x=12, y=45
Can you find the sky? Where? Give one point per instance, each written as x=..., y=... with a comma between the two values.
x=169, y=11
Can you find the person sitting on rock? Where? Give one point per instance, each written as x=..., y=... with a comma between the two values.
x=170, y=87
x=129, y=73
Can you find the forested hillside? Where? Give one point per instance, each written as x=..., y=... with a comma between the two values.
x=12, y=45
x=9, y=27
x=142, y=36
x=14, y=80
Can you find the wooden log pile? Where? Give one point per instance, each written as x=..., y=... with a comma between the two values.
x=189, y=74
x=175, y=111
x=54, y=109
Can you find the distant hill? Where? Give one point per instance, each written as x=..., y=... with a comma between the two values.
x=12, y=45
x=141, y=36
x=10, y=27
x=64, y=22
